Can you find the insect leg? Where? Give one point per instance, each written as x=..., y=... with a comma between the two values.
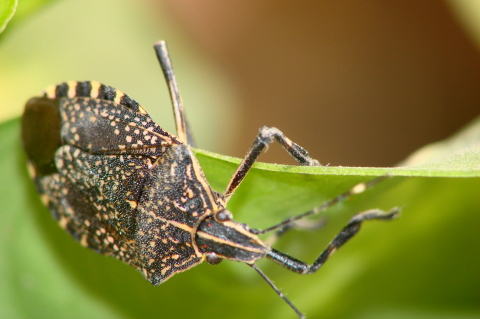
x=299, y=314
x=357, y=189
x=266, y=136
x=341, y=238
x=183, y=129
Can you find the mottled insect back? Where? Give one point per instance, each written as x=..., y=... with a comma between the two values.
x=115, y=180
x=121, y=185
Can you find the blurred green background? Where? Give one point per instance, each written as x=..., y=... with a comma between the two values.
x=356, y=83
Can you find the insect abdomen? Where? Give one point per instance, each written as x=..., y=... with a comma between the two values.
x=41, y=133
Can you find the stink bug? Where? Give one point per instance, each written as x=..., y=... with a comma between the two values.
x=121, y=185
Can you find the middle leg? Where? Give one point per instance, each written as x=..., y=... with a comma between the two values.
x=347, y=232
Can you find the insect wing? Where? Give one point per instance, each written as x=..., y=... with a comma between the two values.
x=105, y=127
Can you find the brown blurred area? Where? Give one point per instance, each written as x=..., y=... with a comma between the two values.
x=357, y=83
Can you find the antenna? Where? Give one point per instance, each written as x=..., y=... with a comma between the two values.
x=183, y=131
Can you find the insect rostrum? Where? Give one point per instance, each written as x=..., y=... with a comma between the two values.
x=121, y=185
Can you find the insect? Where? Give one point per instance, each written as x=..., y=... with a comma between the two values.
x=121, y=185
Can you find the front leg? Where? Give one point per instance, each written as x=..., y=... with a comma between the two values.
x=266, y=136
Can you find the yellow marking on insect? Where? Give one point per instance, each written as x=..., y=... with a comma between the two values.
x=45, y=199
x=76, y=152
x=31, y=170
x=72, y=86
x=245, y=232
x=141, y=110
x=180, y=208
x=165, y=269
x=83, y=241
x=201, y=178
x=50, y=91
x=118, y=97
x=332, y=251
x=230, y=243
x=63, y=222
x=132, y=203
x=95, y=88
x=184, y=262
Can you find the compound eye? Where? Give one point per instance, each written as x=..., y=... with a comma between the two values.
x=213, y=259
x=223, y=216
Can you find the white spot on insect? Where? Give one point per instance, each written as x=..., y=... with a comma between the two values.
x=93, y=119
x=117, y=131
x=154, y=140
x=59, y=162
x=128, y=138
x=137, y=131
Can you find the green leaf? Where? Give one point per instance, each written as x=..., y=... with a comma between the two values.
x=422, y=265
x=7, y=10
x=21, y=10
